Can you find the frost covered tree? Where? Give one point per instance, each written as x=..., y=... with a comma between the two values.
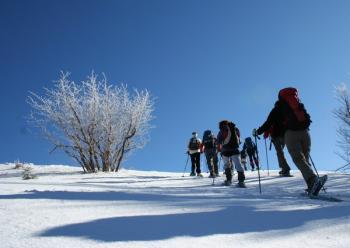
x=342, y=113
x=95, y=123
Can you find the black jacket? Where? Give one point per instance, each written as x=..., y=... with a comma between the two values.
x=282, y=118
x=275, y=122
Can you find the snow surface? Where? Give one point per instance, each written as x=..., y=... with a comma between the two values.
x=65, y=208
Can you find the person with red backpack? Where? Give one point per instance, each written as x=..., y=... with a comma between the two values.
x=194, y=150
x=274, y=128
x=229, y=139
x=296, y=121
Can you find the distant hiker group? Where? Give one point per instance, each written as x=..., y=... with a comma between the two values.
x=287, y=125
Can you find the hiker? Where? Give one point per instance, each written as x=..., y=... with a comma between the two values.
x=292, y=113
x=228, y=140
x=274, y=128
x=194, y=150
x=250, y=147
x=244, y=159
x=211, y=153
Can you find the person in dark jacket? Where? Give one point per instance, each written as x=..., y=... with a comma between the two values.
x=211, y=153
x=295, y=121
x=274, y=127
x=228, y=140
x=250, y=147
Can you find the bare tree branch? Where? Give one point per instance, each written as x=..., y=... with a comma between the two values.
x=95, y=123
x=342, y=113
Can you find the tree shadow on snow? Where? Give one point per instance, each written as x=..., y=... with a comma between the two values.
x=231, y=220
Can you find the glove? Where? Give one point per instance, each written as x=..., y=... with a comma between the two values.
x=188, y=152
x=255, y=133
x=266, y=134
x=219, y=147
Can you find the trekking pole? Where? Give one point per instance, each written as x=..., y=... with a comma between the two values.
x=257, y=154
x=213, y=173
x=200, y=162
x=267, y=159
x=323, y=188
x=188, y=156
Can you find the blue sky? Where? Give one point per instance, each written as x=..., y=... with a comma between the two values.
x=204, y=61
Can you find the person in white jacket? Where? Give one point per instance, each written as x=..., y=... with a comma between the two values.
x=194, y=150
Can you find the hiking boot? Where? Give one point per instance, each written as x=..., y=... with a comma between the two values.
x=192, y=174
x=285, y=174
x=212, y=176
x=241, y=185
x=310, y=182
x=228, y=174
x=318, y=184
x=241, y=176
x=227, y=183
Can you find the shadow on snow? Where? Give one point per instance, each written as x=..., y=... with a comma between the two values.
x=104, y=196
x=231, y=220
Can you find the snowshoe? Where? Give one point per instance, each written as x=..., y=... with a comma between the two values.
x=325, y=197
x=318, y=185
x=227, y=183
x=285, y=174
x=241, y=185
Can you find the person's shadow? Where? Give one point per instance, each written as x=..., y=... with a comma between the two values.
x=230, y=220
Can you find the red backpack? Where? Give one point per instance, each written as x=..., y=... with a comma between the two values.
x=297, y=118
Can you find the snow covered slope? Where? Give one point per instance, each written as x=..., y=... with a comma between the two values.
x=66, y=208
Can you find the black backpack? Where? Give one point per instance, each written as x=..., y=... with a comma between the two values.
x=206, y=134
x=235, y=138
x=208, y=140
x=194, y=144
x=249, y=144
